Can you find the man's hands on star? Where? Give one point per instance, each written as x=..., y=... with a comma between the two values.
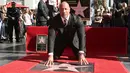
x=82, y=59
x=49, y=62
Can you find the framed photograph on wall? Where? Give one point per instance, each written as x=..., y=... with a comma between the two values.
x=41, y=42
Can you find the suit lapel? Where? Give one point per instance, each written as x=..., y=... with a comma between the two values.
x=69, y=21
x=45, y=7
x=57, y=22
x=60, y=21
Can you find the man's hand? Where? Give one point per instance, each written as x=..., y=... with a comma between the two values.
x=13, y=18
x=48, y=17
x=49, y=62
x=82, y=59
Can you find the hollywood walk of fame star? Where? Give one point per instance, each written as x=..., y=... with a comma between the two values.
x=64, y=66
x=41, y=40
x=79, y=9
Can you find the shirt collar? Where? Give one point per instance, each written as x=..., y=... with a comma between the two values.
x=66, y=18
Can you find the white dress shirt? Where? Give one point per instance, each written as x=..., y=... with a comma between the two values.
x=27, y=19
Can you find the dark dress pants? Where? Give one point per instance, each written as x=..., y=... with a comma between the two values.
x=14, y=24
x=60, y=45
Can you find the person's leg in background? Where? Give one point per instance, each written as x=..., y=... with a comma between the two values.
x=0, y=31
x=10, y=31
x=3, y=33
x=17, y=31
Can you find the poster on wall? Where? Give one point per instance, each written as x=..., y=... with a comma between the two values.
x=80, y=7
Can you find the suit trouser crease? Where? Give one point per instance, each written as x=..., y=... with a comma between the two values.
x=14, y=25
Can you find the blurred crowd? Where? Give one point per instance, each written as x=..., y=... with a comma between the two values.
x=24, y=17
x=18, y=19
x=116, y=16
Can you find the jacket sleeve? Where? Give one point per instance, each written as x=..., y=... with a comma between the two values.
x=8, y=14
x=51, y=39
x=43, y=10
x=17, y=15
x=81, y=33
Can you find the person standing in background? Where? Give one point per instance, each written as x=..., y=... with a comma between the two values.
x=26, y=19
x=4, y=23
x=0, y=24
x=42, y=13
x=55, y=4
x=53, y=10
x=13, y=15
x=125, y=13
x=32, y=15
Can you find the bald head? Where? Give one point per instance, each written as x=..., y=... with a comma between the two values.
x=64, y=3
x=64, y=9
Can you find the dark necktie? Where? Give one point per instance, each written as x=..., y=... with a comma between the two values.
x=65, y=22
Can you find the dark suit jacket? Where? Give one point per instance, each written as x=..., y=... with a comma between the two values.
x=42, y=12
x=13, y=12
x=52, y=10
x=73, y=33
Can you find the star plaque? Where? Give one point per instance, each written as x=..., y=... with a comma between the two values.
x=41, y=42
x=65, y=67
